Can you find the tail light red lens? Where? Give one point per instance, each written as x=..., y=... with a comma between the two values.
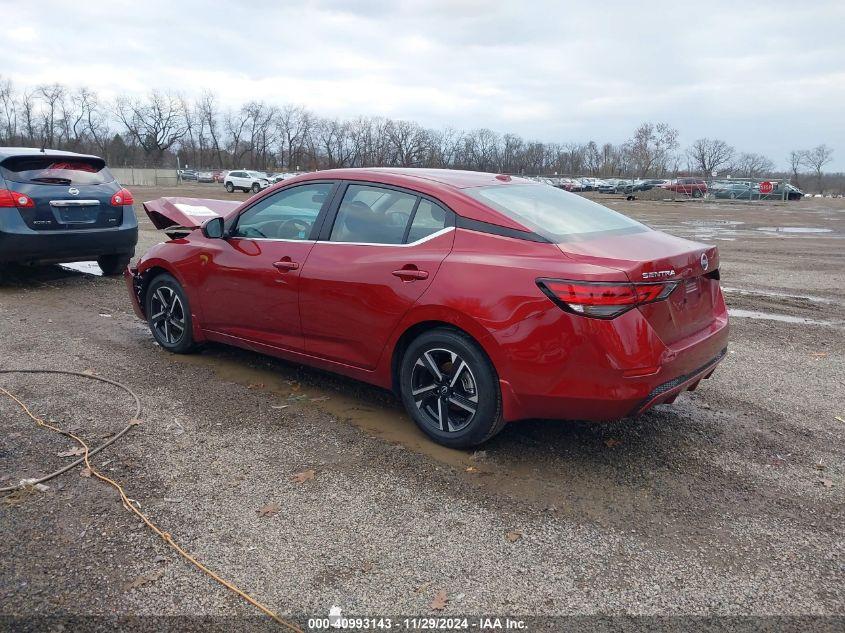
x=603, y=300
x=122, y=197
x=9, y=198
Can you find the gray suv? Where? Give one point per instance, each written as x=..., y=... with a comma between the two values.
x=63, y=207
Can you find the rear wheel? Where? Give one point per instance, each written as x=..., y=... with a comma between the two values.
x=169, y=315
x=697, y=193
x=113, y=264
x=230, y=187
x=450, y=388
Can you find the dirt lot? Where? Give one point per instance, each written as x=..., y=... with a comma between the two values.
x=729, y=502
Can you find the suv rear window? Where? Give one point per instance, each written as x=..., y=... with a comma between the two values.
x=555, y=214
x=56, y=170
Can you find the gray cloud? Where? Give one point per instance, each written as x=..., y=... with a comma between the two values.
x=767, y=77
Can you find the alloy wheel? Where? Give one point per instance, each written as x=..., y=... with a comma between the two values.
x=168, y=315
x=444, y=389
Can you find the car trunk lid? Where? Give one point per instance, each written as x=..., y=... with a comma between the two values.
x=653, y=256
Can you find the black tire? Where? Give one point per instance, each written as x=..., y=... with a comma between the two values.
x=230, y=187
x=697, y=193
x=256, y=187
x=112, y=265
x=159, y=301
x=471, y=399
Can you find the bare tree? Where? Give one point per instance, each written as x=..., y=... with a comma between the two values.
x=708, y=155
x=207, y=111
x=9, y=112
x=157, y=123
x=816, y=159
x=651, y=147
x=28, y=113
x=52, y=97
x=750, y=165
x=796, y=159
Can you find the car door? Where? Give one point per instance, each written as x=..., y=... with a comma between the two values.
x=379, y=250
x=250, y=285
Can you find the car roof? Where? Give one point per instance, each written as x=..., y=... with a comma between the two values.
x=446, y=185
x=8, y=152
x=456, y=178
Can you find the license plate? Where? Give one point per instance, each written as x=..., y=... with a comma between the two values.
x=78, y=215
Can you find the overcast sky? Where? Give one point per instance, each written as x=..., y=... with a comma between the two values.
x=767, y=77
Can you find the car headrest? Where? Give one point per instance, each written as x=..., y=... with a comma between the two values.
x=358, y=217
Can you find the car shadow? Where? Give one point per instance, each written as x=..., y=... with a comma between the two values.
x=17, y=276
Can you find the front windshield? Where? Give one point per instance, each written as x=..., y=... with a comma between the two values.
x=553, y=213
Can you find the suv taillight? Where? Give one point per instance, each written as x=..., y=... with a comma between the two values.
x=9, y=198
x=122, y=197
x=603, y=300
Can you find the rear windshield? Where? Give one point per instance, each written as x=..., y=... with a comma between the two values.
x=553, y=213
x=56, y=170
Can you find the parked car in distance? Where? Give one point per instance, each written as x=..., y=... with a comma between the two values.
x=777, y=193
x=205, y=176
x=60, y=206
x=693, y=187
x=384, y=275
x=245, y=180
x=188, y=174
x=219, y=175
x=732, y=190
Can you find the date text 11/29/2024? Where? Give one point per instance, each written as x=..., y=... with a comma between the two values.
x=336, y=621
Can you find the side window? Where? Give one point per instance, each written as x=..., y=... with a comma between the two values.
x=428, y=219
x=287, y=215
x=372, y=215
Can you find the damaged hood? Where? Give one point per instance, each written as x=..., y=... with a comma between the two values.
x=187, y=213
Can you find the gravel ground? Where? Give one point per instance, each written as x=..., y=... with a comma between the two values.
x=729, y=502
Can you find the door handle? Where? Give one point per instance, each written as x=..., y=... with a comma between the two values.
x=410, y=274
x=285, y=265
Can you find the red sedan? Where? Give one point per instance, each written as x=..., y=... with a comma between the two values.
x=478, y=298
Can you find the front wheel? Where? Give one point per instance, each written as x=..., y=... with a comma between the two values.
x=230, y=187
x=450, y=389
x=256, y=187
x=169, y=315
x=113, y=264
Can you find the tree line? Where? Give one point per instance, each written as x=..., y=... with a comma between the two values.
x=162, y=127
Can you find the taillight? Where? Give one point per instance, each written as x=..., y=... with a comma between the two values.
x=122, y=197
x=9, y=198
x=603, y=300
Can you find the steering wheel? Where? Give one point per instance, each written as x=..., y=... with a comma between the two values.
x=298, y=226
x=250, y=231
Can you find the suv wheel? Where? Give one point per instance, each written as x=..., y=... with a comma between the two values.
x=256, y=187
x=230, y=187
x=169, y=315
x=113, y=264
x=450, y=389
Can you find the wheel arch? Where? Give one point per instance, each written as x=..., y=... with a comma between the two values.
x=429, y=318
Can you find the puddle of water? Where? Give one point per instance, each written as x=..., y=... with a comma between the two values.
x=777, y=295
x=89, y=268
x=713, y=222
x=783, y=318
x=793, y=229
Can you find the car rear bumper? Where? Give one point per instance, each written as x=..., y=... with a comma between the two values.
x=21, y=245
x=608, y=370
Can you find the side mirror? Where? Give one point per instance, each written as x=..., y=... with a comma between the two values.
x=213, y=229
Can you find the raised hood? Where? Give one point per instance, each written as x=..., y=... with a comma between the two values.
x=186, y=214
